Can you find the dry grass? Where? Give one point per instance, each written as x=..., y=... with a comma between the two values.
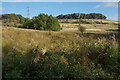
x=94, y=24
x=26, y=39
x=74, y=46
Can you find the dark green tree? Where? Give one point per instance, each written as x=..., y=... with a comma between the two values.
x=42, y=22
x=52, y=24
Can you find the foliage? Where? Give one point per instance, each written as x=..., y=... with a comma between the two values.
x=65, y=57
x=12, y=18
x=82, y=29
x=82, y=16
x=103, y=53
x=43, y=22
x=40, y=22
x=28, y=24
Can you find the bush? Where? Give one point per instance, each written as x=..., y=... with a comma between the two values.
x=52, y=24
x=10, y=24
x=43, y=22
x=103, y=53
x=40, y=22
x=82, y=29
x=41, y=28
x=73, y=59
x=18, y=25
x=34, y=64
x=28, y=24
x=4, y=24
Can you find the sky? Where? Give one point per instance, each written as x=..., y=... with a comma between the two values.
x=60, y=0
x=109, y=9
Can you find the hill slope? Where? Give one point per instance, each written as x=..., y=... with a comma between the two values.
x=92, y=25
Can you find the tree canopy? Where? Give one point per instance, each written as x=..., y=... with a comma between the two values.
x=12, y=18
x=40, y=22
x=43, y=22
x=82, y=16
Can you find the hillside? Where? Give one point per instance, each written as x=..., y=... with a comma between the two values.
x=40, y=53
x=45, y=22
x=92, y=25
x=30, y=53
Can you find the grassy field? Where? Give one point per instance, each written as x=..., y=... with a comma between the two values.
x=31, y=53
x=91, y=25
x=25, y=38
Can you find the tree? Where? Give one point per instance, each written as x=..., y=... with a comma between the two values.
x=52, y=24
x=12, y=17
x=68, y=16
x=60, y=16
x=43, y=22
x=82, y=29
x=28, y=24
x=83, y=16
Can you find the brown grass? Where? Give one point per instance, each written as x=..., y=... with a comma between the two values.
x=72, y=25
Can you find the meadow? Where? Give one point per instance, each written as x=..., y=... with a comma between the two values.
x=29, y=53
x=91, y=25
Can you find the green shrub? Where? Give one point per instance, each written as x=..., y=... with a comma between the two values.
x=13, y=74
x=43, y=22
x=28, y=24
x=6, y=24
x=87, y=59
x=18, y=25
x=97, y=22
x=103, y=53
x=11, y=24
x=111, y=56
x=82, y=29
x=41, y=28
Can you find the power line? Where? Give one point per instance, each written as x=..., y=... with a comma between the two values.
x=28, y=12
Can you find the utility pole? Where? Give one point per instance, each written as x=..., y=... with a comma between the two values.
x=79, y=18
x=28, y=12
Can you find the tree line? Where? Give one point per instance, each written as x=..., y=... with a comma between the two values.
x=82, y=16
x=43, y=21
x=12, y=18
x=40, y=22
